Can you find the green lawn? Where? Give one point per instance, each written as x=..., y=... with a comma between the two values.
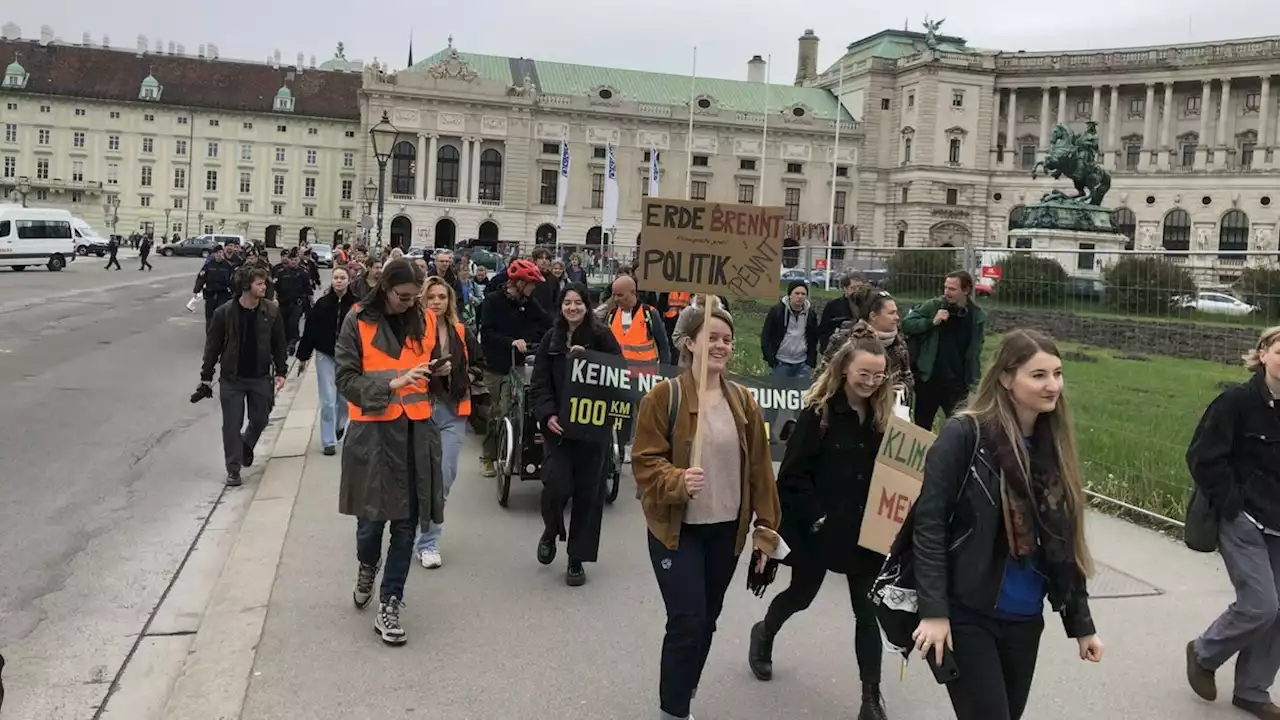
x=1134, y=415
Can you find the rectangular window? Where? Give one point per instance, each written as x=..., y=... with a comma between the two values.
x=1084, y=108
x=597, y=190
x=1132, y=155
x=902, y=238
x=792, y=199
x=841, y=200
x=246, y=183
x=348, y=159
x=145, y=201
x=906, y=150
x=701, y=161
x=145, y=179
x=644, y=186
x=348, y=187
x=277, y=208
x=44, y=136
x=884, y=103
x=1085, y=258
x=213, y=122
x=911, y=100
x=80, y=112
x=277, y=185
x=313, y=131
x=602, y=153
x=42, y=194
x=244, y=206
x=211, y=180
x=280, y=154
x=906, y=193
x=1246, y=155
x=549, y=186
x=147, y=117
x=115, y=114
x=647, y=155
x=1137, y=107
x=179, y=203
x=246, y=153
x=953, y=196
x=309, y=210
x=309, y=187
x=213, y=149
x=842, y=171
x=247, y=126
x=746, y=164
x=346, y=213
x=957, y=98
x=211, y=205
x=10, y=132
x=113, y=174
x=312, y=157
x=747, y=194
x=698, y=190
x=1193, y=105
x=1027, y=156
x=953, y=151
x=10, y=166
x=148, y=145
x=180, y=148
x=282, y=128
x=1252, y=102
x=795, y=168
x=183, y=120
x=179, y=178
x=550, y=148
x=1022, y=243
x=45, y=109
x=351, y=134
x=77, y=139
x=113, y=142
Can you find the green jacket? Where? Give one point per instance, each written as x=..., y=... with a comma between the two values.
x=922, y=338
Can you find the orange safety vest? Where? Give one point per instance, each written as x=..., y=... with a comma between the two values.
x=411, y=400
x=637, y=341
x=676, y=302
x=464, y=405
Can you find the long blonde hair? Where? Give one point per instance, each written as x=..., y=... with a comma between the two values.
x=832, y=379
x=993, y=406
x=1270, y=336
x=450, y=312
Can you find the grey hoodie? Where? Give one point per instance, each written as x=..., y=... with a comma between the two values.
x=794, y=349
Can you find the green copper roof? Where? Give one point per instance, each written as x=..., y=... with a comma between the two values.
x=284, y=92
x=894, y=44
x=150, y=81
x=645, y=87
x=14, y=69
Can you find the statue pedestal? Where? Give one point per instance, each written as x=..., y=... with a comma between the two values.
x=1068, y=215
x=1081, y=254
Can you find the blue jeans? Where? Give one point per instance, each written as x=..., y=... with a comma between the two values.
x=782, y=371
x=452, y=429
x=333, y=409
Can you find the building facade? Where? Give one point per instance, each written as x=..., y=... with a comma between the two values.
x=479, y=148
x=186, y=143
x=951, y=134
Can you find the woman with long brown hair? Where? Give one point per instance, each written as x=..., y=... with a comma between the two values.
x=822, y=486
x=999, y=526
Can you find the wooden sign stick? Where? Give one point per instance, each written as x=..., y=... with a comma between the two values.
x=709, y=304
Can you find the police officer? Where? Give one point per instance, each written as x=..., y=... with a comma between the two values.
x=215, y=282
x=293, y=291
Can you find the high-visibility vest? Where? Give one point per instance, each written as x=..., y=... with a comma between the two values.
x=637, y=341
x=412, y=399
x=464, y=405
x=676, y=302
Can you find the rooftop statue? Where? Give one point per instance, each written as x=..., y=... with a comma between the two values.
x=1075, y=156
x=931, y=32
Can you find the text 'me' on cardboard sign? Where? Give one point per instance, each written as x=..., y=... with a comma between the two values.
x=695, y=246
x=895, y=483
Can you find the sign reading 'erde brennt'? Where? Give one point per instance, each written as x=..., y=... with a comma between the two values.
x=695, y=246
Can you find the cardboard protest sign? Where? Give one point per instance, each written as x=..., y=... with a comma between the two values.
x=895, y=483
x=604, y=395
x=695, y=246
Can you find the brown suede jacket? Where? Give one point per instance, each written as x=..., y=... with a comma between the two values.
x=658, y=461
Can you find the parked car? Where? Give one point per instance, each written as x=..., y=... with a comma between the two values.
x=480, y=256
x=324, y=255
x=818, y=278
x=1089, y=289
x=791, y=274
x=1218, y=303
x=200, y=246
x=87, y=241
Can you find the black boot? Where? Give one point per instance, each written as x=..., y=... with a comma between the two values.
x=872, y=703
x=760, y=654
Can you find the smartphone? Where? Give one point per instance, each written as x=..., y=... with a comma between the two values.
x=947, y=671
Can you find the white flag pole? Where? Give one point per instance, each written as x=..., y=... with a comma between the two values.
x=693, y=85
x=835, y=166
x=764, y=138
x=562, y=184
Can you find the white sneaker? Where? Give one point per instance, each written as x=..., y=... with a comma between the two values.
x=431, y=559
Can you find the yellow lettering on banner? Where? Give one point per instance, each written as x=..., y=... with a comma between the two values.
x=586, y=411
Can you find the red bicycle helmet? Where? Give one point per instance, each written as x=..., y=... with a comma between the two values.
x=524, y=270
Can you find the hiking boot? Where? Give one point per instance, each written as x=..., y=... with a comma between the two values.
x=387, y=622
x=364, y=586
x=872, y=703
x=1266, y=710
x=576, y=575
x=487, y=469
x=330, y=450
x=760, y=652
x=546, y=549
x=1200, y=679
x=233, y=479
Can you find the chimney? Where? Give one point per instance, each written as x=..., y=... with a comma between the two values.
x=312, y=65
x=159, y=46
x=755, y=69
x=46, y=34
x=807, y=62
x=11, y=31
x=142, y=45
x=106, y=41
x=200, y=51
x=182, y=50
x=275, y=60
x=172, y=47
x=212, y=51
x=86, y=41
x=299, y=63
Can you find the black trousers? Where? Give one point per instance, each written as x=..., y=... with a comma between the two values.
x=256, y=396
x=574, y=471
x=997, y=661
x=112, y=260
x=806, y=580
x=145, y=264
x=933, y=396
x=211, y=304
x=693, y=579
x=293, y=311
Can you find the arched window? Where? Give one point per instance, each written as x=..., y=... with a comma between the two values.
x=1177, y=231
x=447, y=172
x=594, y=236
x=1233, y=235
x=491, y=175
x=1126, y=224
x=1016, y=215
x=403, y=167
x=790, y=252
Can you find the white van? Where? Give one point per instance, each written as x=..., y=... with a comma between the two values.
x=88, y=241
x=35, y=236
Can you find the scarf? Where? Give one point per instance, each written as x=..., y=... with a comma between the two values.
x=887, y=338
x=1036, y=515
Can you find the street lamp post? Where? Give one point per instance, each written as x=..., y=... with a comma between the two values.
x=200, y=222
x=382, y=136
x=23, y=189
x=111, y=212
x=167, y=211
x=369, y=192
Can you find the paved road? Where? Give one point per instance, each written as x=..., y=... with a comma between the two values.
x=106, y=471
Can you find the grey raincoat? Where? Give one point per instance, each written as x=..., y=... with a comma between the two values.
x=375, y=458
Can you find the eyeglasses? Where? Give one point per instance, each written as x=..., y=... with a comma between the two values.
x=407, y=298
x=867, y=377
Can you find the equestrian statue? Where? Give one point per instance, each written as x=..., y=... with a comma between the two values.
x=1075, y=156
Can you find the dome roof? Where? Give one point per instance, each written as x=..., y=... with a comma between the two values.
x=151, y=81
x=338, y=64
x=14, y=68
x=284, y=92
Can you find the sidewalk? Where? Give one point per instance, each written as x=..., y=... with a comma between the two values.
x=493, y=635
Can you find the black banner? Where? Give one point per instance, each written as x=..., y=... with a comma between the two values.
x=605, y=392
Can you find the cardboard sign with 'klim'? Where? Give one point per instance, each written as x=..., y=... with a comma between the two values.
x=895, y=483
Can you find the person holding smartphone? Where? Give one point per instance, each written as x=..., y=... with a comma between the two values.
x=999, y=525
x=574, y=469
x=391, y=456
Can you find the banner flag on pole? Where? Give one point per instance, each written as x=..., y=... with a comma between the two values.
x=655, y=173
x=610, y=220
x=562, y=184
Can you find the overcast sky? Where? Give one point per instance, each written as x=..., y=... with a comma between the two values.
x=653, y=35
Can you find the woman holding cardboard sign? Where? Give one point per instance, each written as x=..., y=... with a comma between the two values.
x=699, y=511
x=574, y=469
x=823, y=486
x=999, y=525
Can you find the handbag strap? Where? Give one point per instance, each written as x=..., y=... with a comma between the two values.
x=977, y=444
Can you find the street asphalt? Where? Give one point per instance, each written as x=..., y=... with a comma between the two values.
x=107, y=472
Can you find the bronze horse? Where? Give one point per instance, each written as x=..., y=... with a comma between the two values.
x=1073, y=155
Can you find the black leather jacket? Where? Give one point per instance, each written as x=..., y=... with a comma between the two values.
x=1234, y=455
x=961, y=549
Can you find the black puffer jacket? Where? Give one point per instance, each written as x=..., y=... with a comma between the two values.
x=1234, y=455
x=961, y=549
x=324, y=319
x=551, y=367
